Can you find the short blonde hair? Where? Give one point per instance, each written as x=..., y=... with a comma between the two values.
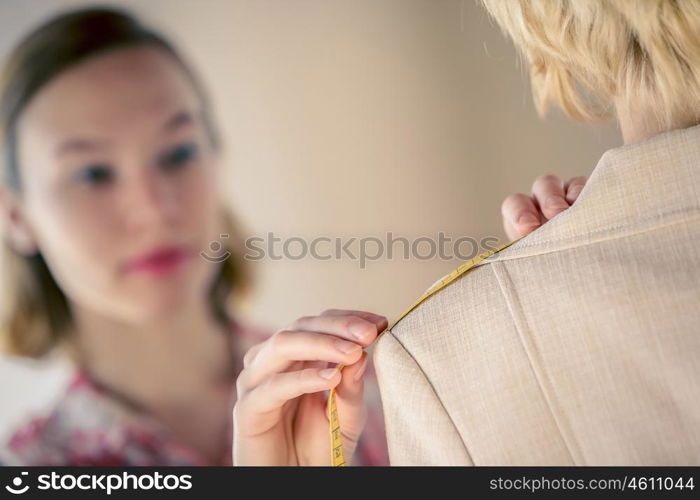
x=646, y=50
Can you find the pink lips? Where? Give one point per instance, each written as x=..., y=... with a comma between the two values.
x=162, y=260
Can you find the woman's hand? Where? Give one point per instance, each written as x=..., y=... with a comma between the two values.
x=524, y=213
x=280, y=414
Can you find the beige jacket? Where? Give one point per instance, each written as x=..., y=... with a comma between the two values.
x=580, y=344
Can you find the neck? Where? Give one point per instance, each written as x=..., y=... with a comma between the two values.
x=157, y=364
x=637, y=122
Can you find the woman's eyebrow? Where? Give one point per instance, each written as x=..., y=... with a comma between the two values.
x=78, y=146
x=179, y=119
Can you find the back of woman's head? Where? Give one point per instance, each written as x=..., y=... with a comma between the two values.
x=36, y=316
x=586, y=55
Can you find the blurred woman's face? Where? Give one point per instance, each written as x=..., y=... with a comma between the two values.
x=119, y=184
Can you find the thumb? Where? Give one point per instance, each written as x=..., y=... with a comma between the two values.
x=350, y=399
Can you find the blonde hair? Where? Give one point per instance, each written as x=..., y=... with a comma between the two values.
x=584, y=55
x=36, y=319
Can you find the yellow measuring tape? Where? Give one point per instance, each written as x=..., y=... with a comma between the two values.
x=337, y=453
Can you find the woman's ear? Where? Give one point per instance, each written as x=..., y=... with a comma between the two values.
x=16, y=228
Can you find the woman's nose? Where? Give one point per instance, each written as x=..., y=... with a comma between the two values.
x=149, y=201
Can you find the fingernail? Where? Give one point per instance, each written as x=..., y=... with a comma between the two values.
x=359, y=330
x=347, y=347
x=361, y=371
x=528, y=219
x=574, y=192
x=328, y=373
x=556, y=202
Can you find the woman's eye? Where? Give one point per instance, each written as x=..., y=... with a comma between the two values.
x=179, y=156
x=96, y=175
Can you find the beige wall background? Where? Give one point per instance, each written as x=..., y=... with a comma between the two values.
x=349, y=118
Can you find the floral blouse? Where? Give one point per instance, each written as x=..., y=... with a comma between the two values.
x=90, y=426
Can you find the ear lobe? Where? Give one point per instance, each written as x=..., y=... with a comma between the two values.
x=16, y=228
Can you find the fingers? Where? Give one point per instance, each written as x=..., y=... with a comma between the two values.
x=353, y=375
x=349, y=326
x=352, y=382
x=548, y=191
x=352, y=410
x=380, y=321
x=282, y=387
x=293, y=363
x=335, y=336
x=342, y=323
x=573, y=188
x=251, y=354
x=288, y=346
x=520, y=215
